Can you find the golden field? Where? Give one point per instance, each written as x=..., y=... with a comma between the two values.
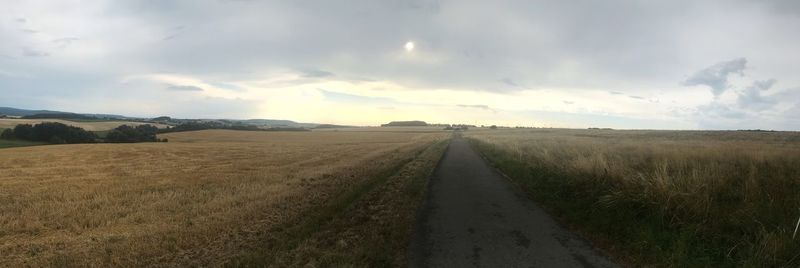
x=664, y=198
x=198, y=200
x=87, y=125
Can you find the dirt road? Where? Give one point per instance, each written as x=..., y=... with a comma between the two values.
x=474, y=217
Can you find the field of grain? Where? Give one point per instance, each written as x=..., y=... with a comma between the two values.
x=87, y=125
x=665, y=198
x=198, y=200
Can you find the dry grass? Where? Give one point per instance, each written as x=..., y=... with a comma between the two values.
x=87, y=125
x=728, y=198
x=196, y=200
x=370, y=226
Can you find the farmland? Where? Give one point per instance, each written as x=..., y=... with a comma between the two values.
x=663, y=198
x=87, y=125
x=215, y=197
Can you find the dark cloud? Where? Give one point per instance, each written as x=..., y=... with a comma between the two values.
x=183, y=88
x=509, y=81
x=716, y=76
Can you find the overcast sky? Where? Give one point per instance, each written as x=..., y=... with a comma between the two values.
x=622, y=64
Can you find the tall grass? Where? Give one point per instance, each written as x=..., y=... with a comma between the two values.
x=665, y=198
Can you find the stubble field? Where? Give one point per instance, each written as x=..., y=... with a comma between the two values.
x=202, y=199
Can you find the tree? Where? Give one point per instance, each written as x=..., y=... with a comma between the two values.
x=52, y=131
x=127, y=134
x=23, y=132
x=7, y=134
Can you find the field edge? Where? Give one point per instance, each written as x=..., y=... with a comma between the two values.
x=389, y=200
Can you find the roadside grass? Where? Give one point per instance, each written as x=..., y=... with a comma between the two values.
x=368, y=225
x=663, y=199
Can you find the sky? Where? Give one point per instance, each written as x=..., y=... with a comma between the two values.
x=622, y=64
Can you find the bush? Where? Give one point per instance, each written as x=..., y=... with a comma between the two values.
x=23, y=132
x=49, y=132
x=7, y=134
x=127, y=134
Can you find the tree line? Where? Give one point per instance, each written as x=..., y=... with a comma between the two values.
x=58, y=133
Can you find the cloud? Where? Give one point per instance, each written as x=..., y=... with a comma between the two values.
x=716, y=76
x=30, y=52
x=636, y=97
x=183, y=88
x=315, y=73
x=11, y=74
x=353, y=98
x=568, y=102
x=510, y=82
x=64, y=42
x=174, y=32
x=720, y=110
x=476, y=106
x=751, y=98
x=467, y=52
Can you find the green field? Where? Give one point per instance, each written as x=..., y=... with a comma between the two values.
x=17, y=143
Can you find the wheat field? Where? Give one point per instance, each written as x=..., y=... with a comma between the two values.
x=193, y=201
x=728, y=198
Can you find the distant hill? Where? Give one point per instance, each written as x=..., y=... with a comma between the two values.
x=22, y=112
x=48, y=114
x=321, y=126
x=276, y=123
x=405, y=124
x=58, y=116
x=55, y=114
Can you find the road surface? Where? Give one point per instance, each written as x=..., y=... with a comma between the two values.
x=474, y=217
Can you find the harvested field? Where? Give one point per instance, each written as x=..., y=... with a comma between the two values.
x=197, y=200
x=87, y=125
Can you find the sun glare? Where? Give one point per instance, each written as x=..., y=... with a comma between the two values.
x=409, y=46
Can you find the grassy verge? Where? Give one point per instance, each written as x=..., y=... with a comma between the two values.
x=367, y=226
x=629, y=218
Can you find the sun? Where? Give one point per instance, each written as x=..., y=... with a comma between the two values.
x=409, y=46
